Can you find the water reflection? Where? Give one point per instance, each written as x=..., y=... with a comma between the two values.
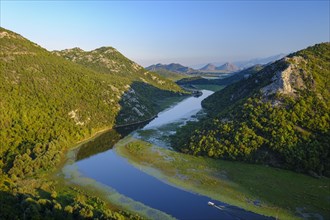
x=183, y=110
x=114, y=171
x=106, y=141
x=111, y=169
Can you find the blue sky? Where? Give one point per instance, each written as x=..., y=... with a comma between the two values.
x=187, y=32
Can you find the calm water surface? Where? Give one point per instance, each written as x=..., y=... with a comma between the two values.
x=115, y=171
x=180, y=112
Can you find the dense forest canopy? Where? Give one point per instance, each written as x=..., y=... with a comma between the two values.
x=278, y=115
x=49, y=102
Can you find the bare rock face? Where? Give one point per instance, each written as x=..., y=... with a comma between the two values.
x=289, y=80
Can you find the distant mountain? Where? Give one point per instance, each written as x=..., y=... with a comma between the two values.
x=224, y=68
x=228, y=67
x=247, y=63
x=209, y=67
x=165, y=69
x=173, y=67
x=171, y=75
x=232, y=78
x=252, y=62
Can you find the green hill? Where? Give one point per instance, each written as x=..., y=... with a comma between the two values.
x=48, y=103
x=137, y=83
x=278, y=116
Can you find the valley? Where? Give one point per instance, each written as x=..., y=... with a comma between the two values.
x=92, y=134
x=252, y=187
x=48, y=104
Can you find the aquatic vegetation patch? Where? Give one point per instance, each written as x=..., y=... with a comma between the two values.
x=72, y=175
x=257, y=188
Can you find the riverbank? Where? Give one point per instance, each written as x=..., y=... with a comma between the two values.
x=162, y=105
x=263, y=190
x=260, y=189
x=67, y=175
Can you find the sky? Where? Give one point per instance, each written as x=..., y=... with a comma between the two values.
x=186, y=32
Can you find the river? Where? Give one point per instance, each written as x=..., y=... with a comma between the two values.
x=96, y=160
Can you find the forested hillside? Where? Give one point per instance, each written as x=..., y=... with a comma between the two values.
x=132, y=82
x=49, y=103
x=278, y=116
x=47, y=100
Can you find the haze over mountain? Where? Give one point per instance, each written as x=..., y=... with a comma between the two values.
x=228, y=67
x=209, y=67
x=224, y=68
x=243, y=64
x=191, y=82
x=261, y=61
x=173, y=67
x=170, y=69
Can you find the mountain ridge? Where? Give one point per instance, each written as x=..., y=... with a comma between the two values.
x=188, y=71
x=173, y=67
x=228, y=67
x=242, y=74
x=276, y=116
x=105, y=60
x=208, y=67
x=243, y=64
x=261, y=61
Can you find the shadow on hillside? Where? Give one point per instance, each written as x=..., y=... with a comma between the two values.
x=140, y=103
x=105, y=141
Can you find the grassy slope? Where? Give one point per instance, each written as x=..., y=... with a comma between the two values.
x=279, y=192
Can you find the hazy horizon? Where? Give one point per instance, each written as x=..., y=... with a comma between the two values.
x=190, y=33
